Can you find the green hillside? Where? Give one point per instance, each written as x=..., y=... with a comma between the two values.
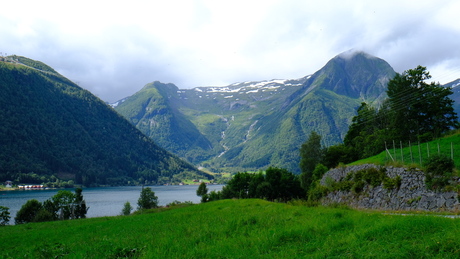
x=153, y=111
x=53, y=128
x=252, y=125
x=238, y=229
x=416, y=153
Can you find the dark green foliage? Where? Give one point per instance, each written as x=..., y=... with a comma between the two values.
x=50, y=126
x=80, y=204
x=28, y=212
x=438, y=171
x=127, y=208
x=277, y=184
x=336, y=154
x=419, y=109
x=147, y=199
x=202, y=192
x=4, y=216
x=63, y=205
x=311, y=154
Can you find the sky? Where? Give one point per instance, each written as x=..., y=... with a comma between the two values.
x=114, y=48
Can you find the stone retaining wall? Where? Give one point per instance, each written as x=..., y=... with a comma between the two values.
x=411, y=195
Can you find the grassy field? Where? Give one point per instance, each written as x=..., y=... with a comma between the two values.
x=238, y=229
x=449, y=145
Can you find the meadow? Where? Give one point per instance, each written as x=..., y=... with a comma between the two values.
x=238, y=229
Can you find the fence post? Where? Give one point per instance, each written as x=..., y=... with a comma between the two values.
x=419, y=153
x=451, y=151
x=428, y=149
x=402, y=156
x=394, y=149
x=411, y=157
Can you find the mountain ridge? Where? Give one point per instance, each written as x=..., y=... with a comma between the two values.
x=52, y=127
x=255, y=124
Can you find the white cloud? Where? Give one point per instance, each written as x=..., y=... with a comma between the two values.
x=114, y=48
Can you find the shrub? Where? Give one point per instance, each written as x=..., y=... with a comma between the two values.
x=318, y=192
x=438, y=171
x=4, y=216
x=28, y=212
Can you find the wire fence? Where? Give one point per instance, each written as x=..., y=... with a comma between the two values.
x=416, y=153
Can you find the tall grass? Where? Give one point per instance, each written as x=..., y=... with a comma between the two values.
x=238, y=229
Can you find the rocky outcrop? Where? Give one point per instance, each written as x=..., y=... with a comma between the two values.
x=412, y=194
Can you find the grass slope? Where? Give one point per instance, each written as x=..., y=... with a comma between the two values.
x=238, y=229
x=419, y=153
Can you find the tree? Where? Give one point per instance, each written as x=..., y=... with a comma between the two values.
x=202, y=192
x=311, y=154
x=4, y=216
x=28, y=212
x=420, y=111
x=127, y=208
x=64, y=202
x=147, y=199
x=80, y=204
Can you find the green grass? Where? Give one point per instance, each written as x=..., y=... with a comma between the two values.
x=419, y=152
x=238, y=229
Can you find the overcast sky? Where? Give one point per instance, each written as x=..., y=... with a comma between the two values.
x=113, y=48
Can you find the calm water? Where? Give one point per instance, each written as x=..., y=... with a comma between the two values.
x=105, y=201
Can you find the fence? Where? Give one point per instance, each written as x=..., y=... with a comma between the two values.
x=417, y=153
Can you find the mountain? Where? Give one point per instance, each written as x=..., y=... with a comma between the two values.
x=456, y=94
x=53, y=128
x=252, y=125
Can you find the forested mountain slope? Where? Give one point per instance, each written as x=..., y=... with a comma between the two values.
x=251, y=125
x=50, y=126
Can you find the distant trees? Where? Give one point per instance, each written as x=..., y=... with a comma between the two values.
x=63, y=205
x=202, y=192
x=147, y=199
x=4, y=216
x=276, y=184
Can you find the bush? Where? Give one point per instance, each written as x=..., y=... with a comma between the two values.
x=4, y=216
x=28, y=212
x=438, y=171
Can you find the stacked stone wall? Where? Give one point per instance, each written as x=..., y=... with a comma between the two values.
x=411, y=195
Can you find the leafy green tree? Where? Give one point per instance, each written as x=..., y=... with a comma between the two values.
x=214, y=196
x=147, y=199
x=419, y=110
x=311, y=153
x=202, y=192
x=4, y=216
x=28, y=212
x=127, y=208
x=64, y=202
x=337, y=154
